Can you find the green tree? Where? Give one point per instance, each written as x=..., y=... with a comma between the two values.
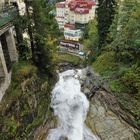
x=43, y=32
x=20, y=24
x=105, y=16
x=91, y=39
x=125, y=33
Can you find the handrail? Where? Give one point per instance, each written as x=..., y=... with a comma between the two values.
x=7, y=8
x=7, y=14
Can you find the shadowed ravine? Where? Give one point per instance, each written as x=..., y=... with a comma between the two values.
x=70, y=105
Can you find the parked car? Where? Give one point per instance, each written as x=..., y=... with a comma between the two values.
x=81, y=53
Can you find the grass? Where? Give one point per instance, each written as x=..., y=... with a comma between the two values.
x=115, y=86
x=18, y=106
x=21, y=71
x=105, y=64
x=63, y=57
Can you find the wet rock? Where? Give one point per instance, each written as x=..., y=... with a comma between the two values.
x=107, y=124
x=67, y=66
x=106, y=118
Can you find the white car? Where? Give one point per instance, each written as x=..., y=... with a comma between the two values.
x=81, y=53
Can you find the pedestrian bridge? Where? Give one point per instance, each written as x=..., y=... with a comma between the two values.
x=8, y=53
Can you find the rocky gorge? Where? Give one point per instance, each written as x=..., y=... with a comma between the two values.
x=106, y=117
x=29, y=113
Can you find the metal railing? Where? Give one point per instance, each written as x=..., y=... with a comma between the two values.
x=7, y=14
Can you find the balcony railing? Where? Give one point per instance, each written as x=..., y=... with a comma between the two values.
x=7, y=14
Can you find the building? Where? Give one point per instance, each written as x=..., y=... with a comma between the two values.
x=72, y=34
x=8, y=52
x=60, y=14
x=21, y=6
x=75, y=11
x=2, y=2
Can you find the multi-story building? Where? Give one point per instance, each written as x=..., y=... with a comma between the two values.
x=75, y=11
x=2, y=2
x=60, y=14
x=73, y=35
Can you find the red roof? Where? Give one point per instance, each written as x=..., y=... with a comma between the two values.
x=82, y=10
x=60, y=5
x=71, y=26
x=78, y=6
x=81, y=6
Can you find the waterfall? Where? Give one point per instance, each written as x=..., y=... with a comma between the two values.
x=70, y=105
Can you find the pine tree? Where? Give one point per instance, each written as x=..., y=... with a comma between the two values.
x=45, y=30
x=91, y=39
x=125, y=32
x=41, y=29
x=105, y=15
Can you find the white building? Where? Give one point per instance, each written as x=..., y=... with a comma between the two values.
x=73, y=35
x=60, y=14
x=21, y=6
x=75, y=11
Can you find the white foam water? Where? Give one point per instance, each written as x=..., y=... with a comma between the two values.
x=70, y=105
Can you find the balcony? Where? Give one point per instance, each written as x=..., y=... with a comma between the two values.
x=7, y=15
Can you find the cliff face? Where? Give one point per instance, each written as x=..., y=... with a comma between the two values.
x=106, y=117
x=107, y=123
x=25, y=109
x=25, y=106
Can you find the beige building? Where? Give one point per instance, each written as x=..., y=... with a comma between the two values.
x=21, y=6
x=2, y=2
x=75, y=11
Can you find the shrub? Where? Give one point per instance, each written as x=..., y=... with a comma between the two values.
x=23, y=70
x=105, y=64
x=131, y=79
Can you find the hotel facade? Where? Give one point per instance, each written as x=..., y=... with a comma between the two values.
x=75, y=11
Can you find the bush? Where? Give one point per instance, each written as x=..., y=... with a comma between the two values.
x=22, y=70
x=68, y=58
x=131, y=79
x=105, y=64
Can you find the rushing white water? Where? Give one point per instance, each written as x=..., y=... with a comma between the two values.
x=70, y=105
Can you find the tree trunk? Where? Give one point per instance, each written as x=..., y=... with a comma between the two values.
x=30, y=31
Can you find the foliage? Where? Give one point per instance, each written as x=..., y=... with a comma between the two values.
x=105, y=15
x=21, y=23
x=126, y=34
x=25, y=104
x=105, y=64
x=68, y=58
x=42, y=28
x=131, y=79
x=25, y=70
x=91, y=39
x=119, y=63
